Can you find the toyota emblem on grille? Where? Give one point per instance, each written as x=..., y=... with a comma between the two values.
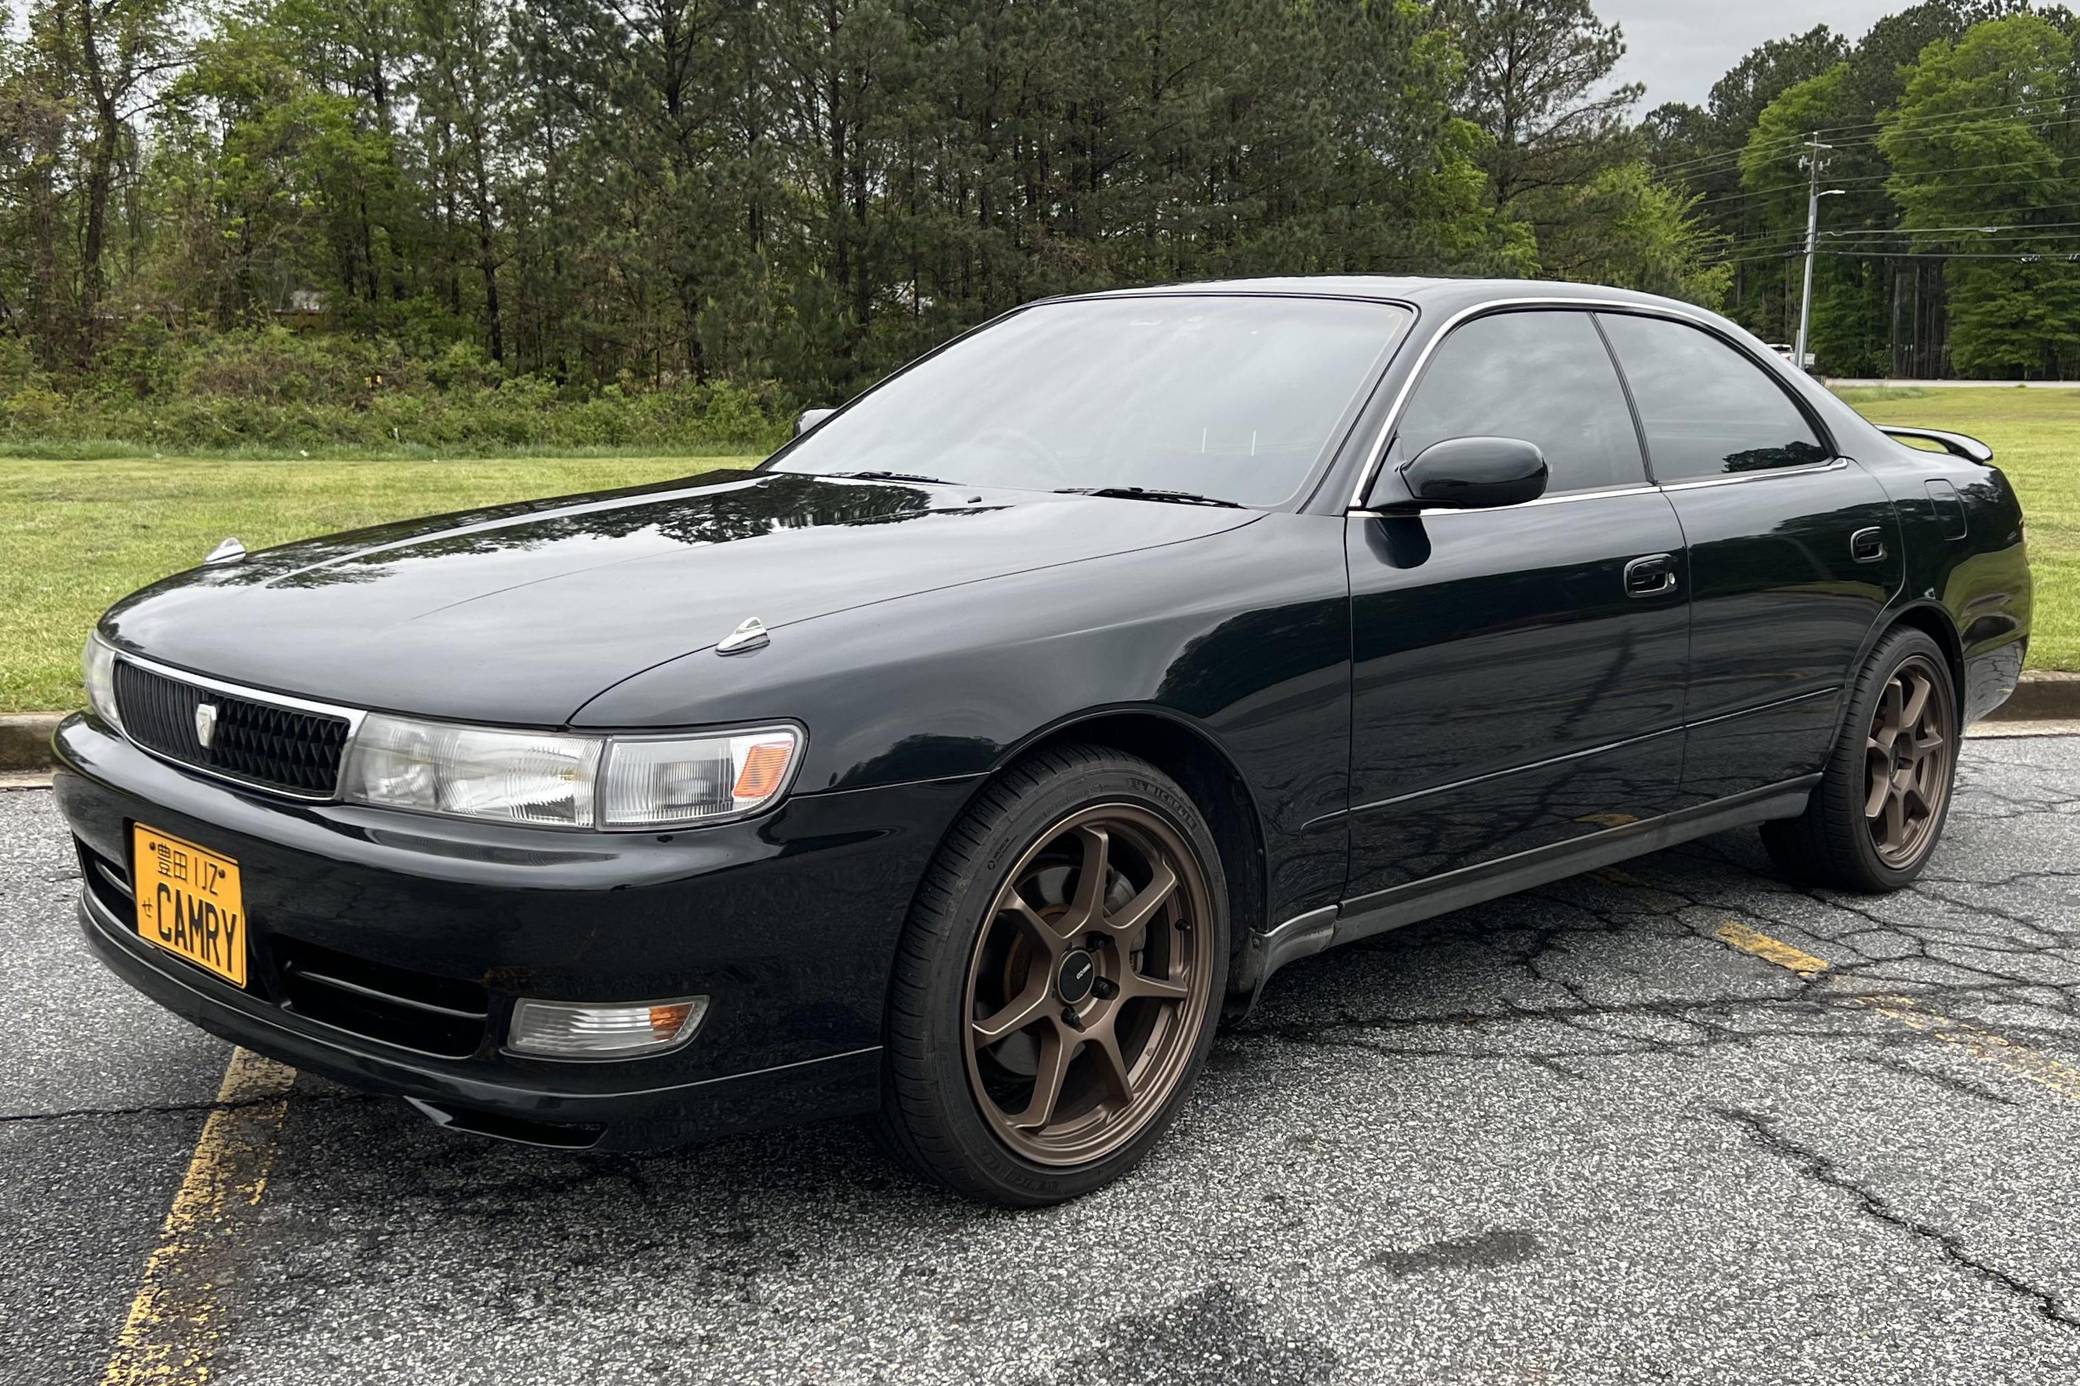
x=205, y=723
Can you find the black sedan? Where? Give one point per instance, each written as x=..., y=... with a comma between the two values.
x=969, y=758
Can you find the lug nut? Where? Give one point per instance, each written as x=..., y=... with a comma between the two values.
x=1105, y=988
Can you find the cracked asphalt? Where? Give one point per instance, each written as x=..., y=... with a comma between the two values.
x=1672, y=1122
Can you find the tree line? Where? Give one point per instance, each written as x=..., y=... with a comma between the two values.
x=1948, y=245
x=330, y=203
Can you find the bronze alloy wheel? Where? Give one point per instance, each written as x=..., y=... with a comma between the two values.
x=1088, y=985
x=1907, y=758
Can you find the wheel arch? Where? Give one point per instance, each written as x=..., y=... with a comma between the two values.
x=1191, y=755
x=1928, y=617
x=1935, y=621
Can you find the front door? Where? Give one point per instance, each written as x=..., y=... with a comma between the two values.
x=1512, y=688
x=1794, y=553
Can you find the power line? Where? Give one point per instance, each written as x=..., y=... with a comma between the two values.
x=1995, y=233
x=2023, y=257
x=2018, y=255
x=1961, y=116
x=1950, y=130
x=1929, y=123
x=1960, y=112
x=1866, y=178
x=1792, y=235
x=1861, y=245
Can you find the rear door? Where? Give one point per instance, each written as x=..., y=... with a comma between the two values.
x=1512, y=690
x=1793, y=552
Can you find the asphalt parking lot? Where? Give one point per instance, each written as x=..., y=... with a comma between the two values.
x=1673, y=1122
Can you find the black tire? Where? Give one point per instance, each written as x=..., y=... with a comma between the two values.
x=1834, y=842
x=934, y=1113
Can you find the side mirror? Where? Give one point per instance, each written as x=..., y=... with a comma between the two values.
x=1463, y=474
x=810, y=418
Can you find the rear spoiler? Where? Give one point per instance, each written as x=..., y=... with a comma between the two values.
x=1956, y=444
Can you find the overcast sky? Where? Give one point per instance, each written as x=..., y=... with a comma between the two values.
x=1678, y=48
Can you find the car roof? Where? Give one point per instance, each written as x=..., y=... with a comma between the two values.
x=1442, y=297
x=1422, y=291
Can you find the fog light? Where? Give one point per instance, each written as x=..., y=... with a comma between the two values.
x=557, y=1030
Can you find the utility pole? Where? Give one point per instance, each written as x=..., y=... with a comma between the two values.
x=1813, y=196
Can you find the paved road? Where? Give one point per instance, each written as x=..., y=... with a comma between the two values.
x=1674, y=1122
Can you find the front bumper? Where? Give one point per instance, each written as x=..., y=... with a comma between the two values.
x=788, y=923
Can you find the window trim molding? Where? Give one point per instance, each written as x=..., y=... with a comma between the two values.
x=1833, y=464
x=1376, y=453
x=1638, y=488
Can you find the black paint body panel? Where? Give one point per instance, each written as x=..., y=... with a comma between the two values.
x=1507, y=692
x=1778, y=607
x=1419, y=711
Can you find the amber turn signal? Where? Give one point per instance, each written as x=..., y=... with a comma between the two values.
x=558, y=1030
x=763, y=767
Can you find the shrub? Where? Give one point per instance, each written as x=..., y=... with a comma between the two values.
x=274, y=390
x=276, y=366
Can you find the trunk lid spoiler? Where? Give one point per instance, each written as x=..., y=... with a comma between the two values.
x=1956, y=444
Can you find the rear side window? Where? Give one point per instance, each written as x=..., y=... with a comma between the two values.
x=1544, y=377
x=1707, y=409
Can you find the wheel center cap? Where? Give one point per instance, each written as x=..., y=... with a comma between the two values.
x=1075, y=978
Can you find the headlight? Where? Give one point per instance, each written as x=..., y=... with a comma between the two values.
x=648, y=784
x=567, y=780
x=473, y=772
x=98, y=670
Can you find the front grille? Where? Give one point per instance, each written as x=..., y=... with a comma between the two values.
x=274, y=747
x=434, y=1015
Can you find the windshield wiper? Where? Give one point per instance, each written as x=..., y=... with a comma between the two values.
x=891, y=476
x=1145, y=493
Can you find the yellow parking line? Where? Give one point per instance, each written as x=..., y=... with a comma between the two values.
x=171, y=1331
x=1770, y=950
x=1981, y=1043
x=2025, y=1063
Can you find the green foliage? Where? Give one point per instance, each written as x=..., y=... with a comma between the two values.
x=1774, y=186
x=1759, y=81
x=1978, y=103
x=276, y=391
x=1626, y=229
x=1944, y=246
x=403, y=214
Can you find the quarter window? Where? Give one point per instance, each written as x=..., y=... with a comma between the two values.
x=1707, y=410
x=1544, y=377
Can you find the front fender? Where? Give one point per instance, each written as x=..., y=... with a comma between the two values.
x=1243, y=634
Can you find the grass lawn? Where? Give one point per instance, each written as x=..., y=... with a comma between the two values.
x=76, y=535
x=2035, y=436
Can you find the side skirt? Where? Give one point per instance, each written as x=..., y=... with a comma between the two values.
x=1367, y=915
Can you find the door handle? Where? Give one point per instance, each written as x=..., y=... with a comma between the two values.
x=1867, y=545
x=1650, y=576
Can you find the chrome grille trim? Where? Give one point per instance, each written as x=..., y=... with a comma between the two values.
x=262, y=698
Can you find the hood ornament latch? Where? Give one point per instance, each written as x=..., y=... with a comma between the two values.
x=227, y=551
x=751, y=635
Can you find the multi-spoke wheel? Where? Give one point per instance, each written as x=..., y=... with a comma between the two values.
x=1058, y=983
x=1087, y=985
x=1878, y=811
x=1907, y=759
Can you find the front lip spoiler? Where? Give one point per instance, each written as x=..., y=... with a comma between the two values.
x=671, y=1115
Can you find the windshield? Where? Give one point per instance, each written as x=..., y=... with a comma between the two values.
x=1233, y=398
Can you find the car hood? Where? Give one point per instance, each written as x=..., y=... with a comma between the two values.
x=522, y=613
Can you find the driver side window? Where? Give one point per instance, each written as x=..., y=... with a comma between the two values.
x=1543, y=376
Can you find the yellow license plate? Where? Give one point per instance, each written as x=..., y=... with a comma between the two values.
x=189, y=903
